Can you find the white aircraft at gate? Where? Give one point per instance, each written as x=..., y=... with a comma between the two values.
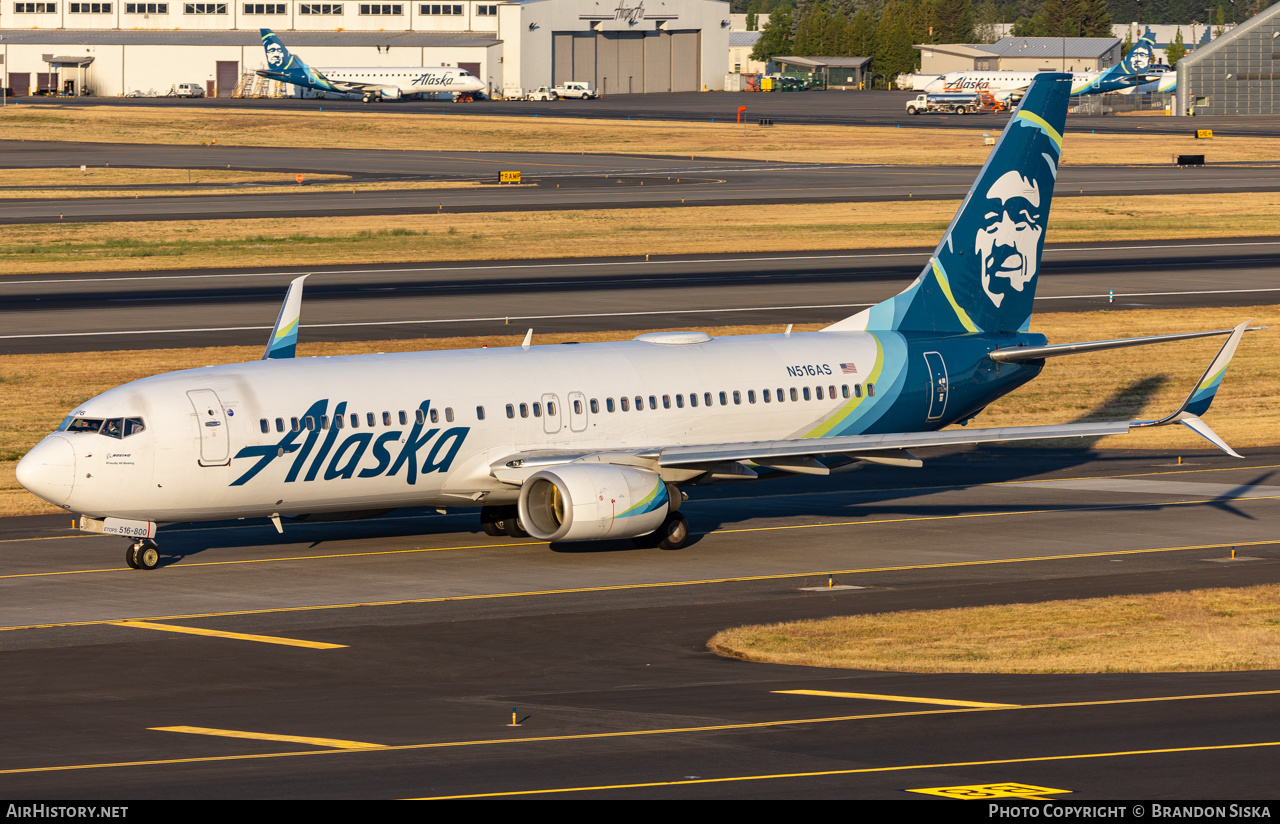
x=594, y=441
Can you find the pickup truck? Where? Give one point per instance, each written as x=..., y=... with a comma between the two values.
x=577, y=88
x=541, y=93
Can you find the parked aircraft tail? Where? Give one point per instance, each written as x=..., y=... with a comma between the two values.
x=288, y=67
x=982, y=276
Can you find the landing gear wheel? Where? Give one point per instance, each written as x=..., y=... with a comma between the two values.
x=131, y=556
x=491, y=521
x=673, y=534
x=513, y=526
x=144, y=554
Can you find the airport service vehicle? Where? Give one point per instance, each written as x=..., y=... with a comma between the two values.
x=372, y=83
x=601, y=440
x=188, y=90
x=949, y=103
x=576, y=88
x=541, y=93
x=1130, y=72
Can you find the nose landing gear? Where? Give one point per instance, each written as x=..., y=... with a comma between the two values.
x=142, y=554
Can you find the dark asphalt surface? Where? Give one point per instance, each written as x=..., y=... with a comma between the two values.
x=75, y=312
x=551, y=181
x=873, y=108
x=600, y=649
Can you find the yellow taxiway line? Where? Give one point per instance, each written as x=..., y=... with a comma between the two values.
x=336, y=743
x=752, y=725
x=902, y=699
x=865, y=770
x=236, y=636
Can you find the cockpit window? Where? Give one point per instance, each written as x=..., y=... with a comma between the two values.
x=84, y=425
x=111, y=427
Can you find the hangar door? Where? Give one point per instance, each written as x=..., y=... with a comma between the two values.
x=228, y=74
x=629, y=62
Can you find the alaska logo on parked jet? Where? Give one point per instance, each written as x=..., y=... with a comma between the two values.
x=344, y=460
x=433, y=80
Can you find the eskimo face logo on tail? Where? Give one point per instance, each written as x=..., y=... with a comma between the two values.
x=388, y=453
x=1008, y=241
x=275, y=54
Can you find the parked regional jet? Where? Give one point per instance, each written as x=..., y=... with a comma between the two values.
x=1130, y=72
x=373, y=83
x=596, y=441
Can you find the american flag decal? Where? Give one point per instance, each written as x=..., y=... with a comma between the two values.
x=848, y=369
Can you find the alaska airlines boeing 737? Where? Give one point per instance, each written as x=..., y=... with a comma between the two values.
x=373, y=83
x=595, y=441
x=1130, y=73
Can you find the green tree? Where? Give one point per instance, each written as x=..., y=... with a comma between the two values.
x=1221, y=21
x=986, y=21
x=1176, y=50
x=775, y=37
x=1127, y=45
x=894, y=53
x=1095, y=18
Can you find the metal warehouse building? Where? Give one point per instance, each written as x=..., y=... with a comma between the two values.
x=113, y=48
x=1236, y=73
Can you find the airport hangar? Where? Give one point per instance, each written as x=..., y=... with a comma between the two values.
x=113, y=48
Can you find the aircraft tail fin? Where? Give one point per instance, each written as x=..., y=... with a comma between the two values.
x=283, y=342
x=283, y=64
x=982, y=276
x=1140, y=56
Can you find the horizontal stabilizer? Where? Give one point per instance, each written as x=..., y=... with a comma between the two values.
x=1017, y=354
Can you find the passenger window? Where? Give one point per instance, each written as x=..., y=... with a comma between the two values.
x=751, y=396
x=831, y=390
x=782, y=397
x=857, y=390
x=85, y=425
x=737, y=397
x=653, y=402
x=871, y=389
x=404, y=418
x=311, y=423
x=279, y=424
x=435, y=416
x=577, y=407
x=524, y=410
x=608, y=404
x=371, y=419
x=419, y=416
x=666, y=401
x=724, y=399
x=679, y=401
x=386, y=418
x=133, y=426
x=765, y=393
x=537, y=410
x=793, y=394
x=844, y=390
x=337, y=422
x=479, y=413
x=448, y=414
x=693, y=399
x=264, y=425
x=113, y=428
x=324, y=421
x=355, y=420
x=551, y=408
x=625, y=404
x=819, y=391
x=595, y=406
x=294, y=425
x=805, y=390
x=706, y=398
x=639, y=403
x=511, y=411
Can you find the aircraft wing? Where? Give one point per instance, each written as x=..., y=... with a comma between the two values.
x=341, y=86
x=799, y=455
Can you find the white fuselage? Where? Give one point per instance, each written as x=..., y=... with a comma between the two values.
x=999, y=82
x=409, y=79
x=479, y=406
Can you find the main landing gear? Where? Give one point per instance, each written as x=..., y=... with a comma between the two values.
x=502, y=520
x=142, y=554
x=673, y=534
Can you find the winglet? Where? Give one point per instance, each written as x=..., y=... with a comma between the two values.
x=284, y=336
x=1201, y=397
x=528, y=339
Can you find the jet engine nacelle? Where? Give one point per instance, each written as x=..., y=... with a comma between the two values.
x=593, y=501
x=390, y=93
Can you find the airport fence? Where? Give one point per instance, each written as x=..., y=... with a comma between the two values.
x=1121, y=103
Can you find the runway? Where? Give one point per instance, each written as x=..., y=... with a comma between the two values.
x=68, y=313
x=551, y=182
x=870, y=108
x=385, y=658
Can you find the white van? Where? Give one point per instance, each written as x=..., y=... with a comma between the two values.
x=188, y=90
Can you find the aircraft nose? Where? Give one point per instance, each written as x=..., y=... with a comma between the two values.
x=49, y=470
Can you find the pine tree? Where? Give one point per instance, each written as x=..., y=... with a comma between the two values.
x=1176, y=50
x=1095, y=18
x=986, y=19
x=775, y=37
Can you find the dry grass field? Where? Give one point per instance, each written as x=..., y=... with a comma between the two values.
x=681, y=230
x=119, y=181
x=1201, y=631
x=37, y=391
x=308, y=127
